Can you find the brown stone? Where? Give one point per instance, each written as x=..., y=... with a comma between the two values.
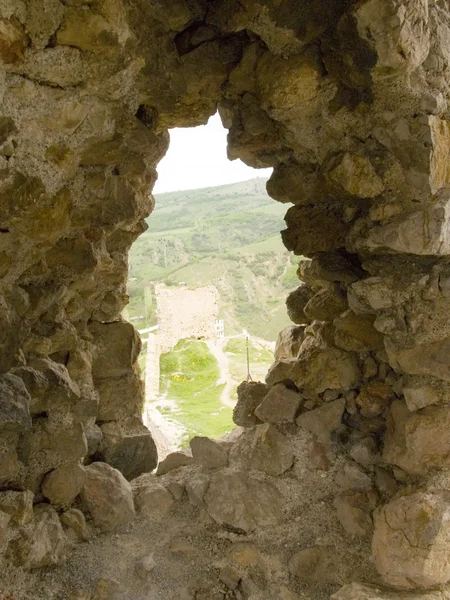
x=323, y=421
x=62, y=485
x=289, y=342
x=237, y=501
x=327, y=304
x=19, y=505
x=280, y=405
x=295, y=304
x=357, y=332
x=374, y=398
x=174, y=460
x=152, y=499
x=417, y=442
x=107, y=496
x=354, y=510
x=411, y=539
x=42, y=543
x=263, y=448
x=208, y=453
x=250, y=395
x=74, y=523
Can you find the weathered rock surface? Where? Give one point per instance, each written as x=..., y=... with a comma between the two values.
x=235, y=500
x=250, y=395
x=263, y=448
x=410, y=542
x=323, y=421
x=208, y=452
x=62, y=485
x=42, y=543
x=358, y=591
x=419, y=441
x=174, y=460
x=151, y=498
x=280, y=405
x=107, y=496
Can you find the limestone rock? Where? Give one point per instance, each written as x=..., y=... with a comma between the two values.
x=289, y=342
x=323, y=421
x=420, y=397
x=196, y=488
x=117, y=348
x=295, y=304
x=351, y=476
x=325, y=368
x=263, y=448
x=316, y=564
x=280, y=405
x=417, y=442
x=129, y=447
x=107, y=496
x=152, y=499
x=354, y=510
x=373, y=398
x=62, y=485
x=356, y=175
x=327, y=304
x=75, y=526
x=357, y=332
x=19, y=505
x=174, y=460
x=279, y=372
x=236, y=501
x=208, y=452
x=250, y=395
x=4, y=521
x=411, y=538
x=305, y=225
x=359, y=591
x=14, y=405
x=42, y=543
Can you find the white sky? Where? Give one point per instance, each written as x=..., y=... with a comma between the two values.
x=197, y=157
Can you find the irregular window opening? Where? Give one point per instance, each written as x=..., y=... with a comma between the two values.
x=207, y=285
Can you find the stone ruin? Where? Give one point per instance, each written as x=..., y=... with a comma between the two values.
x=185, y=313
x=338, y=484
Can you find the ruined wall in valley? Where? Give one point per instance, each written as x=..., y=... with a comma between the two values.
x=348, y=102
x=185, y=313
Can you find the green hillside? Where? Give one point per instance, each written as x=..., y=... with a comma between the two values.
x=227, y=236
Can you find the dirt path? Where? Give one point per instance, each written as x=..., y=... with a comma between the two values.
x=216, y=349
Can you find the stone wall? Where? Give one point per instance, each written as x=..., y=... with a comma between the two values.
x=185, y=313
x=348, y=101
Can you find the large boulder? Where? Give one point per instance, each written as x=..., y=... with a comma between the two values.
x=320, y=367
x=129, y=447
x=107, y=496
x=19, y=505
x=360, y=591
x=14, y=405
x=323, y=421
x=208, y=453
x=236, y=501
x=151, y=499
x=417, y=441
x=289, y=341
x=263, y=448
x=280, y=405
x=250, y=395
x=411, y=540
x=41, y=543
x=62, y=485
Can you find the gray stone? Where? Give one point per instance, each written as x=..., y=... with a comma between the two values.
x=174, y=460
x=208, y=453
x=107, y=496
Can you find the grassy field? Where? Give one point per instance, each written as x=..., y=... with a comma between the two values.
x=189, y=377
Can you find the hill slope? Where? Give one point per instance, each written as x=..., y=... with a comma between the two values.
x=227, y=236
